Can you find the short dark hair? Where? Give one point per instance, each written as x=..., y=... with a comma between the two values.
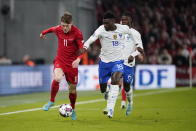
x=127, y=13
x=67, y=17
x=109, y=15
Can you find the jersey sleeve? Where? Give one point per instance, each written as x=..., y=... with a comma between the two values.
x=135, y=53
x=50, y=30
x=137, y=39
x=79, y=39
x=93, y=37
x=135, y=35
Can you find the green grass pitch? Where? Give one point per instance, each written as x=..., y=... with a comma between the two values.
x=154, y=110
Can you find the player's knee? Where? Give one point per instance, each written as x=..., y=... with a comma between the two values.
x=58, y=78
x=127, y=87
x=58, y=74
x=115, y=81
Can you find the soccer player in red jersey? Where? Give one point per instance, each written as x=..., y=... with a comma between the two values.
x=70, y=40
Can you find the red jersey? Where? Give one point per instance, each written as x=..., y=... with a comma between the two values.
x=68, y=44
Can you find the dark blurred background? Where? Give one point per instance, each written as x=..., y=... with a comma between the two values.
x=168, y=27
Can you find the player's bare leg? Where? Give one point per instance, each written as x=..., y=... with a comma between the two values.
x=104, y=90
x=105, y=111
x=58, y=75
x=72, y=98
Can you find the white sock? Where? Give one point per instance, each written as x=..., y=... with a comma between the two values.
x=130, y=96
x=113, y=94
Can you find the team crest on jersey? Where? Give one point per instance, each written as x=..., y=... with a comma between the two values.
x=115, y=36
x=128, y=37
x=120, y=35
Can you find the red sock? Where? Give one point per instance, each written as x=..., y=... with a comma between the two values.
x=54, y=90
x=123, y=95
x=72, y=98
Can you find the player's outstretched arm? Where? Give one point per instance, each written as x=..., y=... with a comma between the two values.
x=44, y=32
x=42, y=36
x=92, y=39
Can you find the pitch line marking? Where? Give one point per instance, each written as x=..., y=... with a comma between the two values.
x=99, y=100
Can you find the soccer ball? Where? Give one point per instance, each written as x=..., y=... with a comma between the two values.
x=65, y=110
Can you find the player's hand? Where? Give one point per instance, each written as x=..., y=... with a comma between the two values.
x=82, y=51
x=140, y=50
x=140, y=58
x=142, y=54
x=42, y=36
x=75, y=63
x=130, y=59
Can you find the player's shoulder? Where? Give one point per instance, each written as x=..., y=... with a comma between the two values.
x=57, y=27
x=76, y=29
x=122, y=26
x=135, y=32
x=101, y=28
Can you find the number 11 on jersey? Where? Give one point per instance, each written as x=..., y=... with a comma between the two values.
x=65, y=42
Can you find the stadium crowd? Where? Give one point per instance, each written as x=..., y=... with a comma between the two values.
x=167, y=27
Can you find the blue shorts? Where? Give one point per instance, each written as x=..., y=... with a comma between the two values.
x=107, y=69
x=128, y=75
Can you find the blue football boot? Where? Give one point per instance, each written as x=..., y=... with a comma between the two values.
x=129, y=109
x=47, y=106
x=73, y=115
